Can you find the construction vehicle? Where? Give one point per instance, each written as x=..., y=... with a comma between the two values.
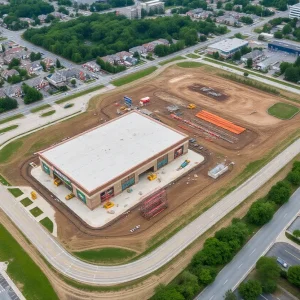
x=70, y=196
x=191, y=106
x=57, y=182
x=123, y=108
x=145, y=101
x=108, y=205
x=33, y=195
x=152, y=176
x=184, y=164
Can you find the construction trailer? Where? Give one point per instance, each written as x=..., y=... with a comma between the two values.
x=217, y=171
x=154, y=204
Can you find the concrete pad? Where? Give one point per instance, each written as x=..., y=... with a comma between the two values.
x=124, y=201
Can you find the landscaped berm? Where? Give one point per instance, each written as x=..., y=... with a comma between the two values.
x=283, y=111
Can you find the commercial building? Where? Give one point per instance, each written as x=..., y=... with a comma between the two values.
x=284, y=47
x=106, y=160
x=294, y=11
x=227, y=47
x=151, y=5
x=131, y=13
x=255, y=55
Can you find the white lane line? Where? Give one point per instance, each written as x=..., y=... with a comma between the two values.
x=211, y=297
x=225, y=281
x=285, y=215
x=252, y=252
x=263, y=297
x=292, y=254
x=240, y=266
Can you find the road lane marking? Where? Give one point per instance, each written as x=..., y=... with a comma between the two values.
x=240, y=266
x=225, y=281
x=263, y=297
x=211, y=297
x=252, y=252
x=292, y=254
x=285, y=215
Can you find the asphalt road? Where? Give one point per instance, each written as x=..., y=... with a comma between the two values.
x=287, y=252
x=243, y=262
x=65, y=263
x=105, y=80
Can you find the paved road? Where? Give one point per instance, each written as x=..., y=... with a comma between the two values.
x=287, y=252
x=295, y=225
x=239, y=267
x=64, y=262
x=105, y=80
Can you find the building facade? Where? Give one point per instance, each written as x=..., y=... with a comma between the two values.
x=151, y=5
x=294, y=11
x=284, y=47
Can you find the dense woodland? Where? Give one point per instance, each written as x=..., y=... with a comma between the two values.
x=86, y=38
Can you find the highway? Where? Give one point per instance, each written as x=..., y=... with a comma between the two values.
x=65, y=263
x=106, y=79
x=234, y=272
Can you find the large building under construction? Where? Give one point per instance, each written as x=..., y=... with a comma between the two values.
x=106, y=160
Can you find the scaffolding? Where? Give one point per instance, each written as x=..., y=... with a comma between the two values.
x=154, y=204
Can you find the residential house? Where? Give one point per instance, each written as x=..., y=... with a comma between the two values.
x=14, y=91
x=118, y=58
x=2, y=93
x=48, y=62
x=91, y=66
x=58, y=15
x=42, y=18
x=57, y=79
x=38, y=83
x=8, y=73
x=130, y=61
x=139, y=49
x=73, y=73
x=28, y=20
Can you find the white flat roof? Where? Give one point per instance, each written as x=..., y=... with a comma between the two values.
x=95, y=157
x=229, y=44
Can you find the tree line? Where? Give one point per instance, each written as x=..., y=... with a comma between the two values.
x=110, y=4
x=291, y=71
x=220, y=249
x=108, y=34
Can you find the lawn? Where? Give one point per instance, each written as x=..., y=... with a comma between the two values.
x=36, y=211
x=47, y=223
x=8, y=128
x=170, y=60
x=283, y=111
x=189, y=64
x=4, y=181
x=23, y=271
x=39, y=108
x=133, y=77
x=11, y=118
x=26, y=201
x=7, y=151
x=15, y=192
x=192, y=55
x=65, y=99
x=105, y=255
x=48, y=113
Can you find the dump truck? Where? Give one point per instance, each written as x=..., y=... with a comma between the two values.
x=191, y=106
x=145, y=101
x=70, y=196
x=184, y=164
x=57, y=181
x=152, y=176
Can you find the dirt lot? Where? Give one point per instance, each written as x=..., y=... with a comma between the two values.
x=243, y=106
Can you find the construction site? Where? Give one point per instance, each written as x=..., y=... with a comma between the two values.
x=225, y=122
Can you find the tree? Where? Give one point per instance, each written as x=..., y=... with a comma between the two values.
x=246, y=20
x=294, y=275
x=250, y=290
x=73, y=82
x=292, y=74
x=246, y=74
x=14, y=63
x=260, y=212
x=296, y=233
x=287, y=29
x=278, y=35
x=58, y=64
x=229, y=295
x=216, y=55
x=228, y=6
x=168, y=292
x=237, y=55
x=219, y=4
x=249, y=63
x=7, y=103
x=280, y=192
x=283, y=66
x=187, y=285
x=31, y=94
x=136, y=55
x=43, y=66
x=294, y=177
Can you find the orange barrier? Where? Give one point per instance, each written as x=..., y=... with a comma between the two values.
x=216, y=120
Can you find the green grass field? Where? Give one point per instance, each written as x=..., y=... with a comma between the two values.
x=11, y=118
x=8, y=128
x=105, y=255
x=283, y=111
x=39, y=108
x=23, y=271
x=172, y=59
x=36, y=211
x=7, y=151
x=26, y=201
x=133, y=77
x=15, y=192
x=48, y=113
x=192, y=55
x=189, y=64
x=4, y=181
x=47, y=223
x=65, y=99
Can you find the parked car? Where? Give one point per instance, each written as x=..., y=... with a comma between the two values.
x=282, y=262
x=192, y=141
